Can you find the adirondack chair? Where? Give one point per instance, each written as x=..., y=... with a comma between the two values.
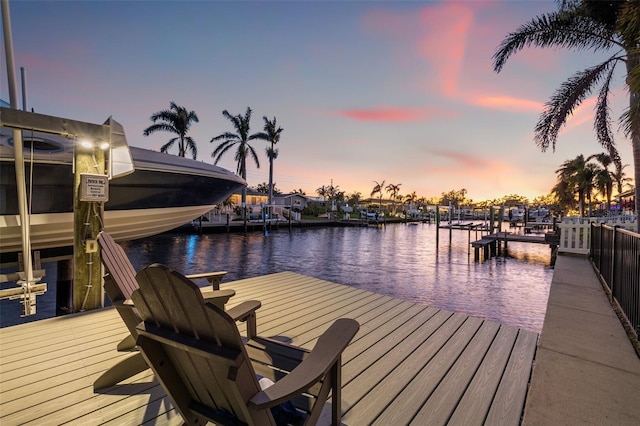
x=197, y=354
x=120, y=283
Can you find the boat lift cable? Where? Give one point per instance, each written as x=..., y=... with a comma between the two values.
x=86, y=294
x=89, y=262
x=98, y=215
x=94, y=206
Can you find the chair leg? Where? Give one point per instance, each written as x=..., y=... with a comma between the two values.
x=336, y=392
x=251, y=326
x=127, y=344
x=124, y=369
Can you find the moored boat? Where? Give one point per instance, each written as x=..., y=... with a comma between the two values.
x=163, y=192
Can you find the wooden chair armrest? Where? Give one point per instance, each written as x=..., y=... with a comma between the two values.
x=322, y=358
x=213, y=277
x=246, y=312
x=217, y=297
x=245, y=309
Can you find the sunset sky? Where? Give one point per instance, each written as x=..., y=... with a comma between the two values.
x=366, y=91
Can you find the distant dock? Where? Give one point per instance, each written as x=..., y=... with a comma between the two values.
x=493, y=244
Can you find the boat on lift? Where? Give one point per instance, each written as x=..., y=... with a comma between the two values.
x=162, y=192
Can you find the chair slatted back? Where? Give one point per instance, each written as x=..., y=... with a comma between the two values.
x=119, y=267
x=195, y=350
x=120, y=280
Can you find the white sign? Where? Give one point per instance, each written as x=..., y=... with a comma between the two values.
x=94, y=187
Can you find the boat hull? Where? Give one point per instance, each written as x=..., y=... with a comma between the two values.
x=56, y=229
x=163, y=193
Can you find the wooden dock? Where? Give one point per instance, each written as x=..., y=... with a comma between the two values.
x=408, y=364
x=490, y=244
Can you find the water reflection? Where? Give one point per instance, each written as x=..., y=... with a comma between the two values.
x=397, y=260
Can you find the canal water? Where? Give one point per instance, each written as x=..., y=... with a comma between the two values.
x=397, y=260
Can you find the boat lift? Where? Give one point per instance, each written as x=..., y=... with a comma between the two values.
x=118, y=163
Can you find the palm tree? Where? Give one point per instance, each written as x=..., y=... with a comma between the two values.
x=241, y=138
x=620, y=178
x=271, y=134
x=587, y=182
x=565, y=194
x=604, y=177
x=577, y=178
x=411, y=198
x=587, y=25
x=354, y=199
x=393, y=190
x=378, y=190
x=175, y=120
x=323, y=191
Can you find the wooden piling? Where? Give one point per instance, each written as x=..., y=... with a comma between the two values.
x=87, y=217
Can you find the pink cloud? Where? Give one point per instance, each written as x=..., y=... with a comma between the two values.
x=444, y=41
x=461, y=160
x=391, y=114
x=506, y=103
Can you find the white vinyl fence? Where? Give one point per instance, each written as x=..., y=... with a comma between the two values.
x=575, y=231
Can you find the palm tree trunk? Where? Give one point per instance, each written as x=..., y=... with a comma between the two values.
x=244, y=190
x=271, y=178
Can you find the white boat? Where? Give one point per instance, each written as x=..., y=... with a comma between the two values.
x=164, y=192
x=514, y=214
x=538, y=214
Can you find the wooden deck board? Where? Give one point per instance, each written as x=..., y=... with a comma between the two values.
x=475, y=402
x=408, y=363
x=509, y=393
x=439, y=407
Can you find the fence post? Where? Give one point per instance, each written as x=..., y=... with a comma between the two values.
x=613, y=259
x=601, y=231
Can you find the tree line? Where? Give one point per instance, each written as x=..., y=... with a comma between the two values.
x=177, y=119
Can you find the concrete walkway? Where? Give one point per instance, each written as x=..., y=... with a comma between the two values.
x=586, y=371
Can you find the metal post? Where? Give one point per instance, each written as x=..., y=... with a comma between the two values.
x=437, y=227
x=28, y=278
x=613, y=259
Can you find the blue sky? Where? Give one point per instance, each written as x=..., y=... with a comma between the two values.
x=366, y=91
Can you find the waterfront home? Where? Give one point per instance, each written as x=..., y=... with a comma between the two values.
x=296, y=202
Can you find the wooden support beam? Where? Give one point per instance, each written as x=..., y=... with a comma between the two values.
x=87, y=218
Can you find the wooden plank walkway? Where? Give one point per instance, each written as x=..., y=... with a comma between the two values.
x=408, y=364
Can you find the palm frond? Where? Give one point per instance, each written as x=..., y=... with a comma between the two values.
x=559, y=29
x=165, y=115
x=225, y=135
x=629, y=28
x=221, y=150
x=566, y=98
x=272, y=153
x=166, y=146
x=158, y=127
x=602, y=122
x=261, y=136
x=191, y=144
x=254, y=155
